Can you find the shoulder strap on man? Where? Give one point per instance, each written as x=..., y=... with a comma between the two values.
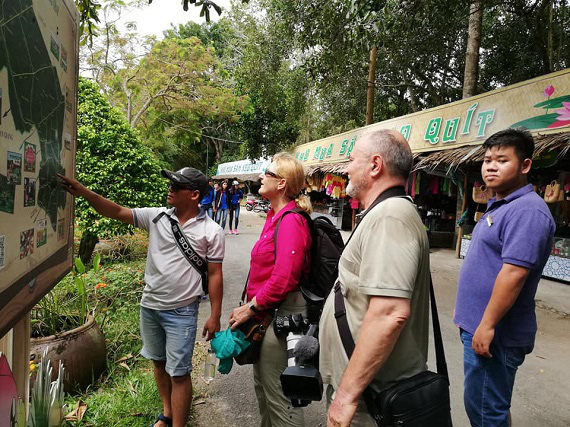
x=195, y=260
x=398, y=191
x=346, y=335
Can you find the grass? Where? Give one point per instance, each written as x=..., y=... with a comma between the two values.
x=126, y=395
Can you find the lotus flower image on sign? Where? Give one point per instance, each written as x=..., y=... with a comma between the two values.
x=549, y=120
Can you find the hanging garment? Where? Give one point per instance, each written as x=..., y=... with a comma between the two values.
x=434, y=184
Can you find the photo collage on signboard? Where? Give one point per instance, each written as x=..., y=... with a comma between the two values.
x=37, y=137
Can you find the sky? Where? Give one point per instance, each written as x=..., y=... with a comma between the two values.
x=158, y=16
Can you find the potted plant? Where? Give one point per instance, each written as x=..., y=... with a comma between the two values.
x=64, y=323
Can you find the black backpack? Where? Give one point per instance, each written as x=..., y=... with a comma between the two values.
x=326, y=250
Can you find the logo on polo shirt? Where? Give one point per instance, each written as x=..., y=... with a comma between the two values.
x=189, y=252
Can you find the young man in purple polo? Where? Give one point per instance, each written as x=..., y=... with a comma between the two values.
x=495, y=308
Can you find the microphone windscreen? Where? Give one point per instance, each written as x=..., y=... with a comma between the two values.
x=306, y=349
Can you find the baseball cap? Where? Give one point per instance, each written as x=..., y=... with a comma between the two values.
x=189, y=178
x=235, y=183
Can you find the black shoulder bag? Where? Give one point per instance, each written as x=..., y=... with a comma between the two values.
x=190, y=254
x=419, y=401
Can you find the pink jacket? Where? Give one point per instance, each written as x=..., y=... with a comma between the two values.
x=270, y=279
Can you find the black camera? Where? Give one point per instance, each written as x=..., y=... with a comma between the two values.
x=294, y=323
x=301, y=381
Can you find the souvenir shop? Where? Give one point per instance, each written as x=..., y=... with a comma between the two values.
x=435, y=195
x=550, y=177
x=326, y=187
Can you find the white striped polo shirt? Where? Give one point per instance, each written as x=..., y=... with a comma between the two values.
x=170, y=280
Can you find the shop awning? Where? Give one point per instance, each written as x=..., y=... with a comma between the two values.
x=336, y=168
x=241, y=177
x=462, y=156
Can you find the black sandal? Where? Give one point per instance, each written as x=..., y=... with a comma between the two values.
x=166, y=420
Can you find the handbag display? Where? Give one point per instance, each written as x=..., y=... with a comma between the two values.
x=482, y=194
x=254, y=331
x=419, y=401
x=552, y=192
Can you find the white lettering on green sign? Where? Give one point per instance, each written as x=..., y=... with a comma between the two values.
x=405, y=131
x=432, y=131
x=483, y=119
x=450, y=130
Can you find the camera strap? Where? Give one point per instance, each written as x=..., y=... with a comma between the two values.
x=195, y=260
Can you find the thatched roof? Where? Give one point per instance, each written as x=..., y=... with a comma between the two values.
x=336, y=168
x=454, y=158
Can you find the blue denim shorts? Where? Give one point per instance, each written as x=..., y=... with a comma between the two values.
x=169, y=335
x=489, y=383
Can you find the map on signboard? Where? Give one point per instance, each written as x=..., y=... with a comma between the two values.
x=38, y=81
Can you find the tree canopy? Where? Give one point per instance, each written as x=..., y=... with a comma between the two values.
x=112, y=161
x=272, y=73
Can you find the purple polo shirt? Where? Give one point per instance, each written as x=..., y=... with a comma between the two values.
x=519, y=232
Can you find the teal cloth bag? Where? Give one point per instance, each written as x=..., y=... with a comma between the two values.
x=227, y=344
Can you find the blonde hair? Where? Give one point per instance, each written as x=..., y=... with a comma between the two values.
x=289, y=168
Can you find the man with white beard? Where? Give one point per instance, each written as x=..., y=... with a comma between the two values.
x=384, y=278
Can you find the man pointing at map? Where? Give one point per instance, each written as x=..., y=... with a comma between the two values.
x=184, y=259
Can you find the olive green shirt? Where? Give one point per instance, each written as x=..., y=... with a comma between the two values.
x=387, y=256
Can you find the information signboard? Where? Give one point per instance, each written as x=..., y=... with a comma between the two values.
x=38, y=105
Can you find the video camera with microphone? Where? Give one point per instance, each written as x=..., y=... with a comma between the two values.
x=301, y=381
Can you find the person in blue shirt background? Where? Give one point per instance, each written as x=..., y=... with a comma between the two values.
x=236, y=194
x=208, y=200
x=221, y=205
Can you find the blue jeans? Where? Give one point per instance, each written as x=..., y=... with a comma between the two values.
x=169, y=336
x=221, y=216
x=234, y=215
x=209, y=210
x=489, y=383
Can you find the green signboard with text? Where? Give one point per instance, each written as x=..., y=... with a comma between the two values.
x=542, y=105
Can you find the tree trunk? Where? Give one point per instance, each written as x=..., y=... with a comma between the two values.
x=219, y=146
x=471, y=74
x=87, y=246
x=370, y=90
x=549, y=47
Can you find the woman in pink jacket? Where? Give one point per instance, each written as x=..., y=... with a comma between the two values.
x=274, y=283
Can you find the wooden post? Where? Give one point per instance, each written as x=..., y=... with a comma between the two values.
x=16, y=346
x=6, y=346
x=21, y=361
x=460, y=229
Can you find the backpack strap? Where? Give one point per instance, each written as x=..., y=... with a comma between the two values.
x=299, y=212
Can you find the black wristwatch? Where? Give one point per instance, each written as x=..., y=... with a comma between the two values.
x=253, y=307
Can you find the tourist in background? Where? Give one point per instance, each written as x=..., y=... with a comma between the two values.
x=236, y=194
x=221, y=203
